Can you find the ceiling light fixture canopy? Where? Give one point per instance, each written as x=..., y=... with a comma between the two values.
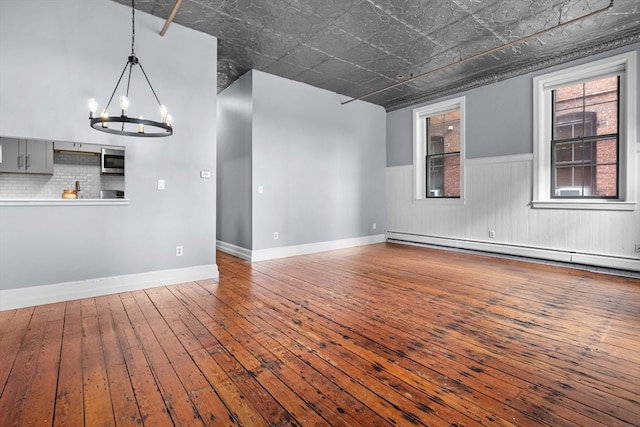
x=125, y=125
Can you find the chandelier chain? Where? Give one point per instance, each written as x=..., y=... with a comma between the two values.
x=133, y=26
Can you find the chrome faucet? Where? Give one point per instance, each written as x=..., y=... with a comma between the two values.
x=77, y=187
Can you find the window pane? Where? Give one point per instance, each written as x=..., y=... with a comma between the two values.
x=564, y=153
x=443, y=155
x=606, y=170
x=452, y=136
x=586, y=109
x=607, y=151
x=435, y=177
x=569, y=97
x=436, y=134
x=606, y=181
x=452, y=176
x=588, y=168
x=564, y=177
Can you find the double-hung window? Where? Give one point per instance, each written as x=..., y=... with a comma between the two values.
x=439, y=150
x=585, y=136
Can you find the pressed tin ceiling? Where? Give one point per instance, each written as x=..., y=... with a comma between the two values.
x=356, y=47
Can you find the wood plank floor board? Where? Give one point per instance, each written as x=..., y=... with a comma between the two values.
x=43, y=387
x=98, y=409
x=387, y=348
x=12, y=331
x=125, y=408
x=377, y=335
x=17, y=394
x=268, y=371
x=151, y=404
x=344, y=403
x=222, y=372
x=561, y=383
x=69, y=402
x=206, y=402
x=391, y=352
x=510, y=328
x=358, y=365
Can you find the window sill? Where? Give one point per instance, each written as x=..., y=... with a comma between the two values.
x=441, y=201
x=582, y=205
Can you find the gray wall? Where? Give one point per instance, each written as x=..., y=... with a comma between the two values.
x=321, y=165
x=499, y=119
x=54, y=56
x=234, y=163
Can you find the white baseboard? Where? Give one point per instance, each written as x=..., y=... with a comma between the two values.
x=596, y=260
x=47, y=294
x=237, y=251
x=287, y=251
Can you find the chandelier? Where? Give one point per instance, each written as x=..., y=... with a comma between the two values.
x=123, y=124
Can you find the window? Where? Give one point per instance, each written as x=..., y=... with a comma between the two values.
x=439, y=150
x=584, y=148
x=584, y=136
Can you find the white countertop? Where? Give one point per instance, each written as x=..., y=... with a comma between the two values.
x=64, y=202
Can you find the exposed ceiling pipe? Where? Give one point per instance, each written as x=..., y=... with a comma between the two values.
x=481, y=54
x=172, y=15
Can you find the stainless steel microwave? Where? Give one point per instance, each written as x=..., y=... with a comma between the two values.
x=112, y=161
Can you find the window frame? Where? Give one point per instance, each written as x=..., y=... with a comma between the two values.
x=623, y=65
x=420, y=130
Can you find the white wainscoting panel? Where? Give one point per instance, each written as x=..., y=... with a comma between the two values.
x=498, y=197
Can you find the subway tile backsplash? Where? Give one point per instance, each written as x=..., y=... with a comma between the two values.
x=67, y=169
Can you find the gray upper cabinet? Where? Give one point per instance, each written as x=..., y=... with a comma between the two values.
x=76, y=146
x=26, y=156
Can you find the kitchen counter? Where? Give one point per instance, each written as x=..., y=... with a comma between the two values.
x=64, y=202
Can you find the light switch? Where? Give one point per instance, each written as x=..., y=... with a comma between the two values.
x=260, y=189
x=161, y=184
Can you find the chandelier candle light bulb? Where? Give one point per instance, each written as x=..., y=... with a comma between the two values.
x=163, y=113
x=93, y=106
x=124, y=105
x=104, y=117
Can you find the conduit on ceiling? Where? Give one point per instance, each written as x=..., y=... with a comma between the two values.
x=485, y=53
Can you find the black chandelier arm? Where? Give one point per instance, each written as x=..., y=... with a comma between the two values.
x=163, y=128
x=152, y=90
x=118, y=84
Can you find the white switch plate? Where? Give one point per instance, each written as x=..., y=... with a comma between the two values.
x=205, y=174
x=260, y=189
x=161, y=184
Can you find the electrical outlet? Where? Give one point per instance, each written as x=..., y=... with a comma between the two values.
x=638, y=247
x=492, y=234
x=374, y=225
x=275, y=235
x=179, y=251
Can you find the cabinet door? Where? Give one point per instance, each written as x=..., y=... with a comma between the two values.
x=89, y=148
x=66, y=146
x=12, y=156
x=39, y=158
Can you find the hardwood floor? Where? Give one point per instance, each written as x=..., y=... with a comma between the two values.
x=376, y=335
